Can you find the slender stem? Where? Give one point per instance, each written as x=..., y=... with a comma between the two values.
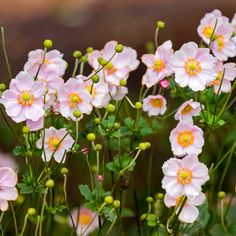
x=90, y=171
x=76, y=130
x=14, y=219
x=212, y=35
x=5, y=54
x=75, y=67
x=1, y=217
x=222, y=214
x=24, y=225
x=129, y=101
x=37, y=226
x=81, y=69
x=42, y=211
x=156, y=36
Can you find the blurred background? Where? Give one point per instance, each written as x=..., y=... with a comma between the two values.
x=78, y=24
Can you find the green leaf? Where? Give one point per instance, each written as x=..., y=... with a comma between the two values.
x=109, y=213
x=129, y=122
x=25, y=189
x=18, y=150
x=85, y=191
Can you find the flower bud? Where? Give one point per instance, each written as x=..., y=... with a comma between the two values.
x=148, y=145
x=95, y=78
x=64, y=171
x=159, y=196
x=49, y=183
x=108, y=199
x=123, y=82
x=119, y=48
x=97, y=121
x=100, y=178
x=98, y=147
x=47, y=43
x=85, y=151
x=31, y=211
x=91, y=136
x=89, y=49
x=84, y=59
x=160, y=24
x=25, y=129
x=2, y=87
x=94, y=168
x=221, y=194
x=143, y=217
x=77, y=113
x=116, y=125
x=116, y=204
x=77, y=54
x=164, y=83
x=143, y=146
x=149, y=199
x=110, y=108
x=28, y=154
x=102, y=61
x=138, y=105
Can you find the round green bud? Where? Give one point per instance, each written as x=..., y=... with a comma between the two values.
x=84, y=59
x=20, y=199
x=31, y=211
x=89, y=49
x=143, y=146
x=123, y=82
x=28, y=154
x=159, y=196
x=119, y=48
x=160, y=24
x=116, y=204
x=25, y=129
x=149, y=199
x=77, y=113
x=64, y=171
x=97, y=121
x=143, y=217
x=2, y=87
x=95, y=78
x=148, y=145
x=98, y=147
x=221, y=194
x=47, y=43
x=110, y=108
x=49, y=183
x=116, y=125
x=108, y=199
x=91, y=136
x=102, y=61
x=94, y=168
x=77, y=54
x=138, y=105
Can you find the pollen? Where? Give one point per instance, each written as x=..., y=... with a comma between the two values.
x=54, y=143
x=187, y=109
x=156, y=102
x=26, y=98
x=184, y=176
x=74, y=100
x=110, y=69
x=220, y=41
x=192, y=67
x=185, y=139
x=85, y=218
x=91, y=90
x=208, y=31
x=159, y=65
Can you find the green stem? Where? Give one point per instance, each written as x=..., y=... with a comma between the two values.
x=1, y=217
x=222, y=214
x=42, y=211
x=75, y=67
x=24, y=225
x=14, y=219
x=37, y=226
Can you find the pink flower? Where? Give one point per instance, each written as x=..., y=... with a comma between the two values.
x=56, y=144
x=193, y=66
x=35, y=125
x=154, y=105
x=223, y=47
x=233, y=23
x=228, y=70
x=165, y=83
x=24, y=98
x=184, y=176
x=6, y=160
x=8, y=191
x=186, y=138
x=119, y=67
x=36, y=58
x=85, y=220
x=157, y=65
x=208, y=22
x=187, y=110
x=189, y=212
x=73, y=96
x=98, y=91
x=117, y=93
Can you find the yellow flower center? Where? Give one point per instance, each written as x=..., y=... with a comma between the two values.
x=184, y=176
x=159, y=65
x=85, y=219
x=192, y=67
x=26, y=98
x=46, y=61
x=188, y=108
x=74, y=99
x=93, y=92
x=110, y=68
x=185, y=138
x=220, y=41
x=218, y=78
x=54, y=142
x=208, y=31
x=156, y=102
x=179, y=201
